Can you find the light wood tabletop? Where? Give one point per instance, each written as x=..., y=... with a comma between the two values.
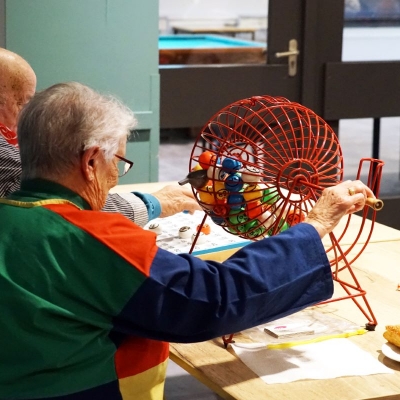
x=377, y=270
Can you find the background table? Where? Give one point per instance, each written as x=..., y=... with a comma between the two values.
x=209, y=49
x=221, y=30
x=378, y=271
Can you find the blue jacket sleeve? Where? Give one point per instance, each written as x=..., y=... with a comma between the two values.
x=186, y=299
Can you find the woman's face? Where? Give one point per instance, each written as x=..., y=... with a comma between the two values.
x=114, y=171
x=106, y=177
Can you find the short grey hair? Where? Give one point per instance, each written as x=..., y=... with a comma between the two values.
x=61, y=122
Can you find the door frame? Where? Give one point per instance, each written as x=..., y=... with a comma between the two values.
x=191, y=95
x=337, y=90
x=2, y=23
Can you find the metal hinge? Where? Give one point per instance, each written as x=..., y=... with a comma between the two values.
x=292, y=56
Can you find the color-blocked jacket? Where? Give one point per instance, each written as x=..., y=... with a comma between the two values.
x=138, y=207
x=88, y=301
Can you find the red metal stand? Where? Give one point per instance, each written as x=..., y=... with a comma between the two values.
x=264, y=162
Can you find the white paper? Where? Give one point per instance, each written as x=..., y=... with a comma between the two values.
x=323, y=360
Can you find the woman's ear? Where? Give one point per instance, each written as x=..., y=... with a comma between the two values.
x=89, y=162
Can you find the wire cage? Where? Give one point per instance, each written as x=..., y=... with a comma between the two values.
x=259, y=165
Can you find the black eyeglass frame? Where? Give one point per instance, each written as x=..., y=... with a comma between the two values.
x=129, y=162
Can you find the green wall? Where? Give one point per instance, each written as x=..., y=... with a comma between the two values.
x=110, y=45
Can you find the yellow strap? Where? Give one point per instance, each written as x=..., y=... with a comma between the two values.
x=28, y=204
x=317, y=339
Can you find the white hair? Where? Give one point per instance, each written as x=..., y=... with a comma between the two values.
x=61, y=122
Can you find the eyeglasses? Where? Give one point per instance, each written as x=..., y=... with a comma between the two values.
x=124, y=165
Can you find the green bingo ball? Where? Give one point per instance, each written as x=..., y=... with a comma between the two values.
x=270, y=196
x=237, y=217
x=281, y=227
x=257, y=232
x=242, y=228
x=251, y=225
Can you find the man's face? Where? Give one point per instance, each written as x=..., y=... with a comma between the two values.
x=18, y=95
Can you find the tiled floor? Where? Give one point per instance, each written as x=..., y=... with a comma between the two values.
x=355, y=137
x=182, y=386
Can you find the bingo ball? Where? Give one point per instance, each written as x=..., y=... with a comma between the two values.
x=267, y=160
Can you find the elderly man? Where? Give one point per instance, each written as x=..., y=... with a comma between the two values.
x=89, y=301
x=18, y=83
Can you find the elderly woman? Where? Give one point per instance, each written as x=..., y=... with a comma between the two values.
x=89, y=301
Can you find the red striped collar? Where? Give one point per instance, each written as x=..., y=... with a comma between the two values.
x=9, y=135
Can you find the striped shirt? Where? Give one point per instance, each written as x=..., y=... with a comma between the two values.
x=10, y=167
x=134, y=206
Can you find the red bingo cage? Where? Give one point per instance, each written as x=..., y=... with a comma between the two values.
x=259, y=165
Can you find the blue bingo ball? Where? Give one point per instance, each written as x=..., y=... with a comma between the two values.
x=235, y=201
x=231, y=165
x=233, y=182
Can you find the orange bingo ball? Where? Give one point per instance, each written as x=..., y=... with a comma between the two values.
x=221, y=210
x=294, y=217
x=207, y=159
x=254, y=209
x=206, y=229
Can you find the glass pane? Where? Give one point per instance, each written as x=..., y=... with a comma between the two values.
x=372, y=30
x=372, y=33
x=356, y=140
x=212, y=31
x=372, y=12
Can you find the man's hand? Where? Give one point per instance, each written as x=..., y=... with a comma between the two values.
x=176, y=198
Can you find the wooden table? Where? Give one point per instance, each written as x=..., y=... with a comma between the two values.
x=220, y=30
x=378, y=271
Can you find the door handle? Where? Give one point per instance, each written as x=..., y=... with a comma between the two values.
x=292, y=57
